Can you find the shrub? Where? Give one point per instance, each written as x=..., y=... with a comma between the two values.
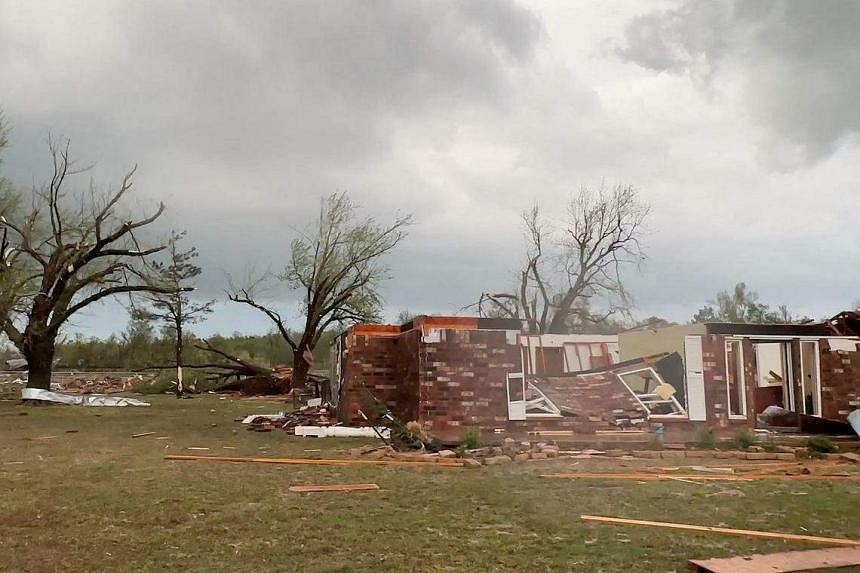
x=821, y=445
x=471, y=439
x=705, y=438
x=745, y=439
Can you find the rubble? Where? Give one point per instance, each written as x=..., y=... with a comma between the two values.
x=95, y=382
x=322, y=415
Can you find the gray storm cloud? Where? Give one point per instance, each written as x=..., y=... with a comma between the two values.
x=798, y=62
x=243, y=115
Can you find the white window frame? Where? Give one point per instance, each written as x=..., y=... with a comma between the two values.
x=742, y=385
x=682, y=413
x=554, y=411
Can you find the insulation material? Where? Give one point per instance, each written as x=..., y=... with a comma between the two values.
x=80, y=400
x=837, y=344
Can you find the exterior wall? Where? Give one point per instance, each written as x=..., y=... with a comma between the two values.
x=647, y=342
x=463, y=381
x=716, y=397
x=463, y=386
x=386, y=367
x=840, y=381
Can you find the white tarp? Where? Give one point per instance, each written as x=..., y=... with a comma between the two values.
x=79, y=400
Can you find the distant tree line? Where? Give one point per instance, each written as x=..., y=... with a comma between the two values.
x=142, y=345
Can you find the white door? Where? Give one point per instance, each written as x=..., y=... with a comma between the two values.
x=695, y=378
x=516, y=397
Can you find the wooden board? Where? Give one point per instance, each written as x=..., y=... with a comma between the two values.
x=701, y=477
x=781, y=562
x=302, y=461
x=723, y=530
x=335, y=487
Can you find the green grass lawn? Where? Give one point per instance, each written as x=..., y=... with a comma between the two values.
x=94, y=499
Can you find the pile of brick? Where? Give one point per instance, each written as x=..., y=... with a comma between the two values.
x=322, y=415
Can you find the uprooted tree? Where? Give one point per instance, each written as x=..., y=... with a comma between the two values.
x=571, y=264
x=336, y=267
x=62, y=252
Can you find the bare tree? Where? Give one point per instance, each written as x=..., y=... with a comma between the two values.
x=337, y=269
x=175, y=310
x=566, y=269
x=62, y=254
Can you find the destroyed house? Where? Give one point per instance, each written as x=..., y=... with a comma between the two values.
x=734, y=372
x=451, y=374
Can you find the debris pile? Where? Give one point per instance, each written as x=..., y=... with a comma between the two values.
x=94, y=383
x=11, y=389
x=322, y=415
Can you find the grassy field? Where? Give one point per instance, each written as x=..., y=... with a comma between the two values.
x=91, y=498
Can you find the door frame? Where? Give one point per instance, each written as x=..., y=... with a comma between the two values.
x=817, y=376
x=742, y=385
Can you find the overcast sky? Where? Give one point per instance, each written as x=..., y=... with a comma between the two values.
x=738, y=122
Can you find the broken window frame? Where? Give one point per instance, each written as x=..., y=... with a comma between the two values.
x=550, y=409
x=680, y=412
x=518, y=410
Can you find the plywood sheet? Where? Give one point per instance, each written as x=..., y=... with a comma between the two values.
x=782, y=562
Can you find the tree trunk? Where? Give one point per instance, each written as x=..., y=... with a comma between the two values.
x=40, y=362
x=180, y=387
x=300, y=370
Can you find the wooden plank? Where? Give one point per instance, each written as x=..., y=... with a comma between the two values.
x=657, y=477
x=301, y=461
x=723, y=530
x=335, y=487
x=142, y=434
x=784, y=562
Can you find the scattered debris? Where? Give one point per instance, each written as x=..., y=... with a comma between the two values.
x=142, y=434
x=299, y=461
x=335, y=487
x=96, y=382
x=723, y=530
x=728, y=493
x=321, y=415
x=782, y=562
x=712, y=470
x=36, y=395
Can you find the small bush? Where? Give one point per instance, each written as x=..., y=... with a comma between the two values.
x=745, y=439
x=770, y=448
x=705, y=438
x=821, y=445
x=471, y=439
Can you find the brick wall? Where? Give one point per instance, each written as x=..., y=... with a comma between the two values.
x=387, y=366
x=462, y=386
x=840, y=381
x=716, y=397
x=462, y=381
